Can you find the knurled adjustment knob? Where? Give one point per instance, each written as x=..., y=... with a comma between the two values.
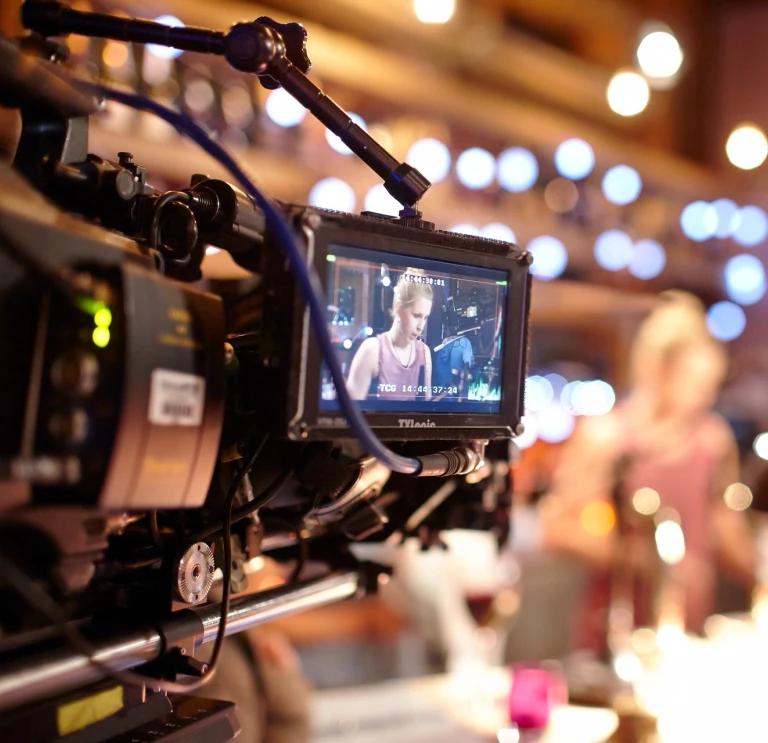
x=195, y=574
x=295, y=39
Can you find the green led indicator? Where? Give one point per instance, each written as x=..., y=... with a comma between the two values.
x=101, y=337
x=330, y=258
x=91, y=306
x=501, y=283
x=103, y=318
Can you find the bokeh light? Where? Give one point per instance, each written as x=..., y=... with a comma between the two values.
x=567, y=395
x=726, y=321
x=539, y=393
x=622, y=185
x=237, y=106
x=648, y=259
x=593, y=398
x=738, y=496
x=574, y=159
x=750, y=226
x=379, y=200
x=464, y=228
x=561, y=195
x=165, y=52
x=335, y=142
x=333, y=193
x=476, y=168
x=747, y=147
x=598, y=518
x=727, y=219
x=550, y=257
x=760, y=445
x=555, y=424
x=199, y=95
x=614, y=250
x=518, y=169
x=646, y=501
x=499, y=231
x=430, y=157
x=745, y=279
x=670, y=542
x=699, y=221
x=628, y=93
x=530, y=436
x=434, y=11
x=659, y=55
x=284, y=109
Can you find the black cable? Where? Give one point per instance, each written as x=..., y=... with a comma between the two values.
x=258, y=502
x=238, y=515
x=226, y=568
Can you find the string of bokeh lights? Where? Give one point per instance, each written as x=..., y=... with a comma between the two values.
x=517, y=170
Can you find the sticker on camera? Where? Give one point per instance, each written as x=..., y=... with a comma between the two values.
x=176, y=398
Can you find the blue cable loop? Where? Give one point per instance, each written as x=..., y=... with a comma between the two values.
x=306, y=275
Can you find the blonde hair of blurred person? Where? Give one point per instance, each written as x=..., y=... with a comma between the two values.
x=675, y=443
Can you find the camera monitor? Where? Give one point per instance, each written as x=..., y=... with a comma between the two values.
x=414, y=334
x=429, y=327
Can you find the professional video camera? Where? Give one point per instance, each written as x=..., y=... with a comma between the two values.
x=158, y=440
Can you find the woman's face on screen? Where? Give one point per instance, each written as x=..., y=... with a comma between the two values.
x=413, y=317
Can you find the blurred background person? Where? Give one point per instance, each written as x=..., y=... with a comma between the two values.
x=662, y=448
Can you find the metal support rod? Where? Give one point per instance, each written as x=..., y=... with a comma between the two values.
x=41, y=672
x=258, y=48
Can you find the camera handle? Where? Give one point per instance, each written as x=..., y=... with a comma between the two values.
x=275, y=52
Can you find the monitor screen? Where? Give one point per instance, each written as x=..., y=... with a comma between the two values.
x=414, y=334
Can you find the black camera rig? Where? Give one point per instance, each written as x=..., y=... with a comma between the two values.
x=153, y=431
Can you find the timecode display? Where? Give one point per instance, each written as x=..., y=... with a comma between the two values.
x=418, y=389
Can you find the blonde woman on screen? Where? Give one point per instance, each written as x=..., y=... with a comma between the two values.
x=398, y=357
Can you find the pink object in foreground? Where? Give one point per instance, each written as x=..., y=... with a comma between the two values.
x=534, y=693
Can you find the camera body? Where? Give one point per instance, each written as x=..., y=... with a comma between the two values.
x=154, y=431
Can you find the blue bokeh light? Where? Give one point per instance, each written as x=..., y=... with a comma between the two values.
x=499, y=231
x=726, y=321
x=466, y=229
x=648, y=260
x=622, y=185
x=699, y=221
x=518, y=169
x=750, y=226
x=727, y=219
x=476, y=168
x=549, y=257
x=333, y=193
x=431, y=157
x=614, y=250
x=745, y=279
x=284, y=109
x=574, y=159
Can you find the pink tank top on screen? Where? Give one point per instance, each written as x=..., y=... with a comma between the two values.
x=396, y=380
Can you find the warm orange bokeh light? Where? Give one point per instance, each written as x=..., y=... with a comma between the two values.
x=598, y=518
